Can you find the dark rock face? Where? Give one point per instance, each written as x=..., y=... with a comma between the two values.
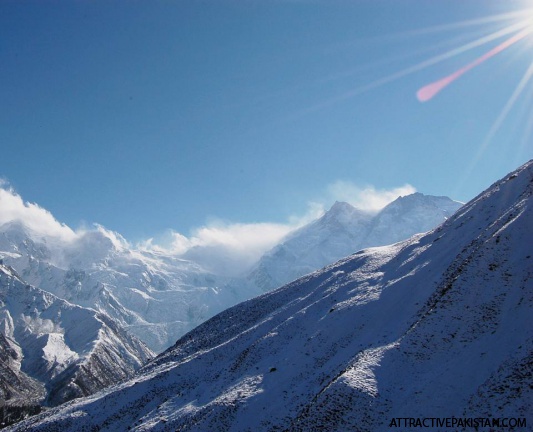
x=52, y=351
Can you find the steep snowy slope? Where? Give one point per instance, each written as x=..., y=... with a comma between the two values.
x=344, y=230
x=54, y=351
x=20, y=395
x=436, y=326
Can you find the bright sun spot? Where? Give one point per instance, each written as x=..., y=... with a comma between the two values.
x=521, y=28
x=528, y=16
x=517, y=30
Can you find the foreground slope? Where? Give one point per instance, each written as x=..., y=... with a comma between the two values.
x=53, y=351
x=436, y=326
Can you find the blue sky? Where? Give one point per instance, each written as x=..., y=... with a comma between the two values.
x=147, y=116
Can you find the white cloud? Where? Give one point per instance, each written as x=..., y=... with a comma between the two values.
x=37, y=219
x=223, y=247
x=231, y=248
x=367, y=197
x=251, y=238
x=315, y=210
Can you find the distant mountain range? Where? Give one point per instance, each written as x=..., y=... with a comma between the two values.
x=154, y=296
x=69, y=306
x=344, y=230
x=159, y=297
x=437, y=326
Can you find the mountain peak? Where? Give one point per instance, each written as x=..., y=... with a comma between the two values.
x=340, y=206
x=417, y=201
x=67, y=350
x=344, y=230
x=344, y=213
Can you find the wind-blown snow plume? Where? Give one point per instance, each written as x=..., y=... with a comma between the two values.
x=231, y=248
x=37, y=219
x=367, y=197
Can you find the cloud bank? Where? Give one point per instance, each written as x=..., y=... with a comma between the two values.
x=35, y=218
x=64, y=243
x=226, y=248
x=368, y=197
x=232, y=248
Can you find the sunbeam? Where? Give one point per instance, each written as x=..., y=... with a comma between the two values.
x=429, y=91
x=506, y=109
x=521, y=30
x=518, y=91
x=517, y=27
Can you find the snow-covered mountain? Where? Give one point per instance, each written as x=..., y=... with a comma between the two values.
x=54, y=351
x=158, y=296
x=344, y=230
x=437, y=326
x=155, y=296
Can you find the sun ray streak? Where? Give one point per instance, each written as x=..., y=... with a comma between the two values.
x=416, y=68
x=506, y=109
x=499, y=121
x=412, y=69
x=528, y=132
x=511, y=16
x=429, y=91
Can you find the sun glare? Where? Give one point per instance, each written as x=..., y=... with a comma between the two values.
x=522, y=28
x=518, y=31
x=529, y=18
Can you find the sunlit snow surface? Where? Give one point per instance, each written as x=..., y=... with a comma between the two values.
x=436, y=326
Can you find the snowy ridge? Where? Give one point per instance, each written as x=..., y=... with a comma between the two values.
x=436, y=326
x=58, y=351
x=344, y=230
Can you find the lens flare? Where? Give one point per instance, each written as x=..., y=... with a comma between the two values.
x=521, y=31
x=429, y=91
